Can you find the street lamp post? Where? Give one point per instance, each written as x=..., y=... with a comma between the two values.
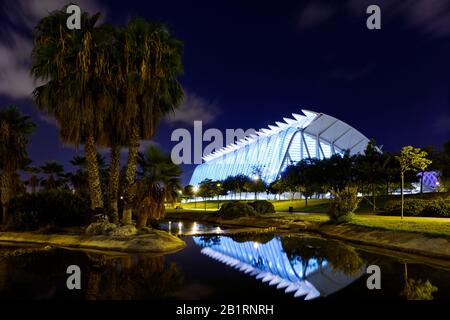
x=255, y=179
x=218, y=191
x=195, y=190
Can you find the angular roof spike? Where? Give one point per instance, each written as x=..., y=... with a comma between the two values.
x=289, y=121
x=310, y=114
x=273, y=128
x=298, y=117
x=281, y=125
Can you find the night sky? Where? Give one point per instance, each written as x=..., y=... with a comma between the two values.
x=249, y=64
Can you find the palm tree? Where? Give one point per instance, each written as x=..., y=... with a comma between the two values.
x=14, y=132
x=34, y=181
x=159, y=180
x=54, y=170
x=148, y=69
x=72, y=63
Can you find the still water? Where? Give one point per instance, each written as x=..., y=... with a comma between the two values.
x=221, y=265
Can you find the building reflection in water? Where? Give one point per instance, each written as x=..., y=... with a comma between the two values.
x=281, y=263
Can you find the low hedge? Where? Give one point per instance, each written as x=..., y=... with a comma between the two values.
x=262, y=206
x=419, y=208
x=235, y=209
x=54, y=209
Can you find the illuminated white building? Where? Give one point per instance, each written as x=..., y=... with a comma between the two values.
x=307, y=135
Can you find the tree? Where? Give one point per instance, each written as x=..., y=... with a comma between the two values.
x=159, y=181
x=206, y=189
x=73, y=66
x=54, y=170
x=307, y=178
x=14, y=132
x=277, y=187
x=411, y=159
x=188, y=191
x=33, y=181
x=147, y=80
x=370, y=169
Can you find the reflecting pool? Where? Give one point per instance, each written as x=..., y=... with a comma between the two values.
x=257, y=267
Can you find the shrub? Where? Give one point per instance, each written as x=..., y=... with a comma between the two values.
x=53, y=208
x=263, y=206
x=419, y=207
x=342, y=205
x=436, y=208
x=235, y=209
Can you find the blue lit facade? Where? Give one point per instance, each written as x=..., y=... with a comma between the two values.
x=310, y=135
x=269, y=263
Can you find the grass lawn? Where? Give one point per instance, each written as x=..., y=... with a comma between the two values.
x=424, y=225
x=364, y=217
x=431, y=226
x=316, y=205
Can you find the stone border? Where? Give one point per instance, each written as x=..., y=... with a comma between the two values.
x=154, y=242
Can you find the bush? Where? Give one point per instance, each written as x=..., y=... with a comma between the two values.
x=263, y=206
x=54, y=208
x=342, y=205
x=419, y=207
x=235, y=209
x=436, y=208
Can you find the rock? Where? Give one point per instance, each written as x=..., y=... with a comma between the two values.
x=100, y=228
x=99, y=218
x=124, y=231
x=145, y=230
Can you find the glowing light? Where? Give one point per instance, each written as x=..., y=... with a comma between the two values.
x=194, y=227
x=255, y=245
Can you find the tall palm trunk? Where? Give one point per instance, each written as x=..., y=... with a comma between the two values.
x=5, y=185
x=142, y=220
x=114, y=174
x=95, y=188
x=130, y=176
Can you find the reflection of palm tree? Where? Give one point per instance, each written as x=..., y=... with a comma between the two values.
x=133, y=277
x=417, y=289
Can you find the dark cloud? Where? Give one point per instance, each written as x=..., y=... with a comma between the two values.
x=16, y=46
x=314, y=14
x=194, y=108
x=428, y=17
